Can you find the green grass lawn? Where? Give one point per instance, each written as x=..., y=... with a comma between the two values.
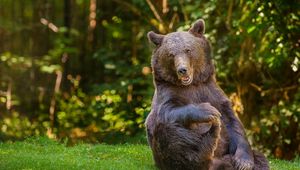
x=42, y=153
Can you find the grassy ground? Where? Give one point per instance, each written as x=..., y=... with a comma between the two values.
x=45, y=154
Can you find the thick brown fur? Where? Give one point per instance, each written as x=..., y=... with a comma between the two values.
x=171, y=152
x=192, y=147
x=186, y=96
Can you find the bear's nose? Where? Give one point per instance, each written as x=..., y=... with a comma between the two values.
x=182, y=71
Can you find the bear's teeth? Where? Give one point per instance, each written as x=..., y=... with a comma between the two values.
x=185, y=78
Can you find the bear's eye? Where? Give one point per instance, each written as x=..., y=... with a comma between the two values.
x=187, y=51
x=170, y=55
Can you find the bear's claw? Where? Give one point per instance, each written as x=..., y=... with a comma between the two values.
x=242, y=164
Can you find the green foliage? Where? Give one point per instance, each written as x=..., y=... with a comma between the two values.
x=282, y=120
x=17, y=126
x=99, y=114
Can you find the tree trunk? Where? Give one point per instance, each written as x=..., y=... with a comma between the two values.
x=65, y=57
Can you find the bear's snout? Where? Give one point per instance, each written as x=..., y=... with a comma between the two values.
x=182, y=65
x=182, y=71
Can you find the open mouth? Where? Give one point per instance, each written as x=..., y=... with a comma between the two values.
x=186, y=80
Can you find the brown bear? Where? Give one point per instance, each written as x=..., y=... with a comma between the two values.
x=185, y=86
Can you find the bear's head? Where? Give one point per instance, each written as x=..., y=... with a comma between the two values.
x=182, y=58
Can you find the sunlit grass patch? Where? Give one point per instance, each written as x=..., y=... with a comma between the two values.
x=42, y=153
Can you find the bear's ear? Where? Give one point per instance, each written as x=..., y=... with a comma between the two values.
x=198, y=28
x=155, y=38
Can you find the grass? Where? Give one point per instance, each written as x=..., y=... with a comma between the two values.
x=277, y=164
x=42, y=153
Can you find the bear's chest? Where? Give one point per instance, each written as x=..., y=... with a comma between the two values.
x=198, y=95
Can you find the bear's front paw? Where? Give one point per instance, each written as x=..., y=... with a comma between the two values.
x=210, y=112
x=242, y=160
